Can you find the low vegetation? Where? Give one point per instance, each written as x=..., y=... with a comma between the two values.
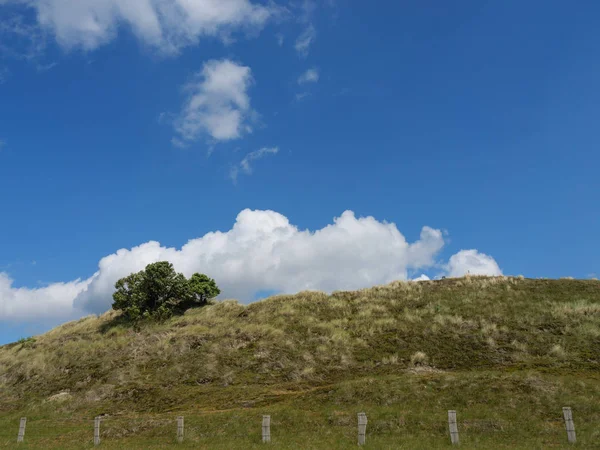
x=506, y=353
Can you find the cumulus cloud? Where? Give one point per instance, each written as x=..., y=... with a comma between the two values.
x=262, y=252
x=472, y=262
x=305, y=40
x=52, y=302
x=423, y=277
x=167, y=25
x=217, y=103
x=310, y=76
x=245, y=166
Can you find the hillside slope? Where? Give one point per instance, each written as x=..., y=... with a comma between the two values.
x=507, y=353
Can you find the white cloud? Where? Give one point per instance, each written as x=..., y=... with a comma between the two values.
x=472, y=262
x=166, y=25
x=301, y=96
x=310, y=76
x=245, y=166
x=423, y=277
x=52, y=302
x=217, y=104
x=2, y=144
x=305, y=40
x=263, y=251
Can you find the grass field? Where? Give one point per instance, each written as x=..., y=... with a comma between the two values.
x=506, y=353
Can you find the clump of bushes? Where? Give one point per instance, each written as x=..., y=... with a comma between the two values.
x=28, y=342
x=158, y=292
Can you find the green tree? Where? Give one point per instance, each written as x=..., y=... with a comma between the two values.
x=159, y=292
x=202, y=288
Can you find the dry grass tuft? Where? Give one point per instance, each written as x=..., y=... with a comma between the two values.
x=558, y=351
x=391, y=360
x=419, y=359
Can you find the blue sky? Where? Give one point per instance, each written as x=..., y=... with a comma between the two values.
x=121, y=126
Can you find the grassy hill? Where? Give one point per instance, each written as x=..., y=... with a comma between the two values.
x=506, y=353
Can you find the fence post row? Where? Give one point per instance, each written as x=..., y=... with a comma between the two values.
x=453, y=427
x=569, y=425
x=362, y=428
x=21, y=435
x=97, y=431
x=180, y=429
x=266, y=429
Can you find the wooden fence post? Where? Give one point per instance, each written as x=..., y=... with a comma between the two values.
x=569, y=425
x=97, y=431
x=266, y=429
x=180, y=429
x=21, y=435
x=453, y=427
x=362, y=428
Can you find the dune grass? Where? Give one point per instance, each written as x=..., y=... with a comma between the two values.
x=506, y=353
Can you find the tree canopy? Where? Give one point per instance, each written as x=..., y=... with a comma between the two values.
x=159, y=292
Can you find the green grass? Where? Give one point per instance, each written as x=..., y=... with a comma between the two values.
x=506, y=353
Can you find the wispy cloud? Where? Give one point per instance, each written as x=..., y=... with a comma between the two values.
x=20, y=39
x=245, y=165
x=305, y=40
x=302, y=95
x=307, y=8
x=280, y=39
x=310, y=76
x=46, y=67
x=217, y=103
